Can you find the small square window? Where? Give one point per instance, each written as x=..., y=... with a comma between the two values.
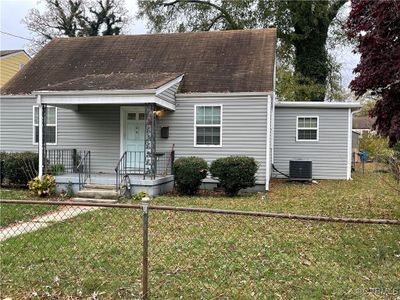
x=307, y=129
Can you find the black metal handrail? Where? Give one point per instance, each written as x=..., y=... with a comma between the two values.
x=84, y=169
x=133, y=163
x=60, y=161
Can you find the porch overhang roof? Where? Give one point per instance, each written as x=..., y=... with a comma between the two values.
x=112, y=96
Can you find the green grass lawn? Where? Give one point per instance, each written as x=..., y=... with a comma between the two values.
x=10, y=214
x=366, y=196
x=204, y=256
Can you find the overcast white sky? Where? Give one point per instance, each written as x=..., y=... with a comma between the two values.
x=13, y=11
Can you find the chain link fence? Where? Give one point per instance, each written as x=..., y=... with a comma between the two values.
x=120, y=251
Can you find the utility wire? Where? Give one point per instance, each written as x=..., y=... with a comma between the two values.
x=16, y=36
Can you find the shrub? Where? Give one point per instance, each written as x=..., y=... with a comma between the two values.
x=375, y=145
x=70, y=190
x=44, y=186
x=19, y=168
x=189, y=172
x=139, y=196
x=57, y=169
x=235, y=173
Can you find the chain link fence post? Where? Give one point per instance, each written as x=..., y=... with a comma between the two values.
x=145, y=205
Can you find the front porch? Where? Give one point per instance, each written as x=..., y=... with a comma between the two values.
x=72, y=169
x=160, y=184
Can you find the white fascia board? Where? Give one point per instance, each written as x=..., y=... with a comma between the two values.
x=227, y=94
x=168, y=84
x=59, y=100
x=17, y=97
x=315, y=104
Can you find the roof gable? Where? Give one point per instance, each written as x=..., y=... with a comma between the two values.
x=219, y=61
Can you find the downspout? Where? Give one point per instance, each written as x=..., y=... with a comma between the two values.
x=40, y=142
x=349, y=143
x=268, y=145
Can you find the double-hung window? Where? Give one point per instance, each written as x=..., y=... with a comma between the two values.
x=51, y=125
x=208, y=126
x=307, y=129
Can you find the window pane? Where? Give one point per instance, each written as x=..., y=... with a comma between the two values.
x=141, y=116
x=51, y=115
x=131, y=116
x=36, y=115
x=313, y=122
x=36, y=134
x=307, y=123
x=216, y=114
x=307, y=134
x=50, y=134
x=200, y=115
x=208, y=115
x=208, y=135
x=301, y=123
x=216, y=138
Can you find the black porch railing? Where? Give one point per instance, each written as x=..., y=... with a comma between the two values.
x=133, y=163
x=61, y=161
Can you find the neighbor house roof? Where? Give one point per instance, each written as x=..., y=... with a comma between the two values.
x=8, y=52
x=218, y=61
x=363, y=122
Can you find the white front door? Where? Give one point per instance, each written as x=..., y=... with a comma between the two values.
x=133, y=137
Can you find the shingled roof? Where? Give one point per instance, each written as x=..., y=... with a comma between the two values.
x=218, y=61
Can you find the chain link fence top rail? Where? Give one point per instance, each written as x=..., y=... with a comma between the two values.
x=95, y=251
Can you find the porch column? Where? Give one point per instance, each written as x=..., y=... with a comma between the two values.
x=40, y=141
x=150, y=141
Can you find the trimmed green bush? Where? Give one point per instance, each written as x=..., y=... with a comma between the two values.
x=189, y=172
x=20, y=168
x=235, y=173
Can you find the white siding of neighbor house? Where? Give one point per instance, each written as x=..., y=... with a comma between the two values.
x=329, y=155
x=244, y=128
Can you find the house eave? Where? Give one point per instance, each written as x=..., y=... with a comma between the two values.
x=118, y=97
x=314, y=104
x=224, y=94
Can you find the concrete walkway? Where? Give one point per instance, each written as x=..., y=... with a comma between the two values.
x=43, y=221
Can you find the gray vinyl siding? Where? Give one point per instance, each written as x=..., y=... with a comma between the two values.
x=329, y=155
x=169, y=94
x=97, y=128
x=16, y=124
x=244, y=129
x=91, y=127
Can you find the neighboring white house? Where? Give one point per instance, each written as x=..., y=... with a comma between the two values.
x=136, y=102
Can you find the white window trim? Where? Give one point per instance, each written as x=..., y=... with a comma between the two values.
x=207, y=125
x=34, y=125
x=297, y=129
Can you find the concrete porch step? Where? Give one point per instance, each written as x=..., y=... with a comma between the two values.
x=96, y=186
x=97, y=194
x=93, y=200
